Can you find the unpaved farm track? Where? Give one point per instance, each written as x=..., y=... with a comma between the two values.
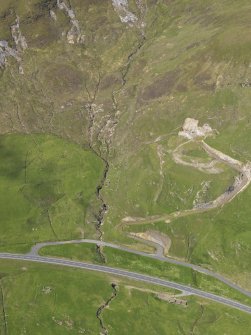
x=241, y=182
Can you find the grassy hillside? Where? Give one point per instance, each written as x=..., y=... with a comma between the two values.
x=132, y=262
x=65, y=301
x=218, y=240
x=47, y=185
x=93, y=96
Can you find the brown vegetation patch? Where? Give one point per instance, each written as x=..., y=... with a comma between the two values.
x=64, y=78
x=204, y=81
x=193, y=45
x=40, y=33
x=46, y=5
x=7, y=18
x=138, y=67
x=152, y=2
x=109, y=81
x=164, y=85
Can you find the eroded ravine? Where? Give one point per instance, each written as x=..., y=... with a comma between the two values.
x=197, y=320
x=106, y=141
x=4, y=316
x=104, y=330
x=99, y=216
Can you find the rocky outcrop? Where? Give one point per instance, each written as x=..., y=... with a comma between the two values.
x=18, y=38
x=74, y=35
x=5, y=52
x=126, y=16
x=20, y=45
x=121, y=7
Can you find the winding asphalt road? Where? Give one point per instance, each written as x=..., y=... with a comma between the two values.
x=129, y=275
x=35, y=249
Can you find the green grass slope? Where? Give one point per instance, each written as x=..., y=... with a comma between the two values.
x=38, y=299
x=47, y=187
x=123, y=92
x=140, y=264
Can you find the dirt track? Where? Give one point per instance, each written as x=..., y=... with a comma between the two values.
x=241, y=182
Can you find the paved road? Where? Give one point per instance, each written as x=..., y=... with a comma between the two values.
x=128, y=274
x=34, y=251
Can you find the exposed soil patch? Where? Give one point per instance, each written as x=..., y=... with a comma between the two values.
x=172, y=299
x=192, y=130
x=161, y=155
x=211, y=166
x=157, y=238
